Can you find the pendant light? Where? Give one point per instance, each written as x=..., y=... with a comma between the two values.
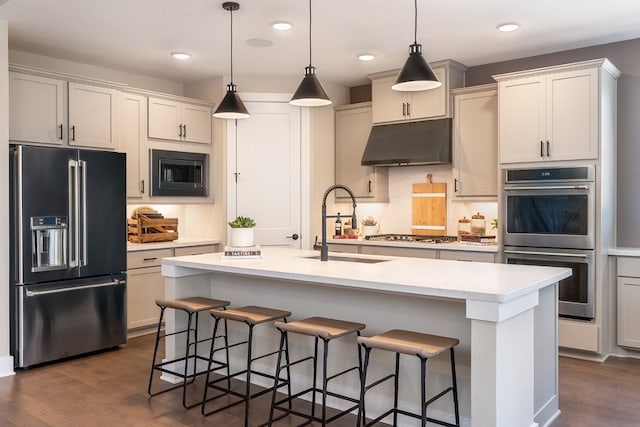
x=310, y=92
x=231, y=106
x=416, y=75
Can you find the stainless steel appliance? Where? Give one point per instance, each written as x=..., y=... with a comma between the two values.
x=68, y=252
x=411, y=238
x=175, y=173
x=549, y=220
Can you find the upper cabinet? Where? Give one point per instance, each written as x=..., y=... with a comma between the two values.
x=48, y=110
x=389, y=105
x=36, y=106
x=133, y=135
x=475, y=142
x=555, y=113
x=352, y=127
x=179, y=121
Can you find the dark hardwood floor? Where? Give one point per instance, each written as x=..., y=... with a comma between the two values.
x=109, y=389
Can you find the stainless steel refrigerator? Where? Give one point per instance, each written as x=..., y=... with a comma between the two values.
x=68, y=252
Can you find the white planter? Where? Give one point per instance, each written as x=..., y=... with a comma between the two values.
x=369, y=230
x=241, y=237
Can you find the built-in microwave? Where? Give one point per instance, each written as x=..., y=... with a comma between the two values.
x=179, y=174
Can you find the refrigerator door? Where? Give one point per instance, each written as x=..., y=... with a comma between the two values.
x=40, y=198
x=69, y=318
x=103, y=217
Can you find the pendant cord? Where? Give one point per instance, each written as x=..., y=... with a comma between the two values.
x=309, y=33
x=231, y=45
x=415, y=24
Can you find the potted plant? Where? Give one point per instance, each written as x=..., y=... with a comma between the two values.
x=241, y=232
x=369, y=226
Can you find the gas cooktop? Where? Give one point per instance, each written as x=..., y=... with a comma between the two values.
x=411, y=238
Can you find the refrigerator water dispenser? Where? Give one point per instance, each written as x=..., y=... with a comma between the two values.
x=49, y=243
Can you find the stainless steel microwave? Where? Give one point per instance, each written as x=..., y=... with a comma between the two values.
x=179, y=174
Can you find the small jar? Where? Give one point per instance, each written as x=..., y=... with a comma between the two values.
x=464, y=227
x=478, y=225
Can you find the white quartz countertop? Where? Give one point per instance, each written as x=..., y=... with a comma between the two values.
x=454, y=246
x=631, y=252
x=427, y=277
x=179, y=243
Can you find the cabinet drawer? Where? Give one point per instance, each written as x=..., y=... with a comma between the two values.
x=467, y=256
x=629, y=266
x=150, y=258
x=196, y=250
x=394, y=251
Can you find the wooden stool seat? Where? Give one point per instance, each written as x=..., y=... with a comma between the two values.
x=322, y=327
x=409, y=342
x=192, y=304
x=251, y=314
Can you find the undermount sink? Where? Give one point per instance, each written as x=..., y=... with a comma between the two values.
x=350, y=259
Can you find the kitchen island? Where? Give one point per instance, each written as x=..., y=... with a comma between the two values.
x=504, y=315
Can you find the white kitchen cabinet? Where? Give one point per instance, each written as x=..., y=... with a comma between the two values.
x=36, y=106
x=195, y=250
x=133, y=136
x=352, y=127
x=179, y=121
x=475, y=142
x=553, y=114
x=144, y=285
x=471, y=256
x=49, y=110
x=92, y=116
x=397, y=251
x=393, y=106
x=628, y=284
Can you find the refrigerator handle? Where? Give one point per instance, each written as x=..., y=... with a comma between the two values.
x=74, y=209
x=83, y=218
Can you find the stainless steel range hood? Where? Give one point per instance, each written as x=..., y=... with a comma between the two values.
x=415, y=143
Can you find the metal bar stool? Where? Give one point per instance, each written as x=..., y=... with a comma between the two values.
x=251, y=316
x=424, y=346
x=192, y=307
x=321, y=328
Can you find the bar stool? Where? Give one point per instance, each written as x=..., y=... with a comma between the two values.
x=192, y=307
x=321, y=328
x=251, y=316
x=423, y=346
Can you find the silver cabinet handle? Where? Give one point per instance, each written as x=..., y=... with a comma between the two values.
x=74, y=213
x=555, y=254
x=73, y=133
x=75, y=288
x=83, y=205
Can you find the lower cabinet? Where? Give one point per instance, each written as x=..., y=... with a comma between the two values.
x=455, y=255
x=628, y=284
x=145, y=283
x=472, y=256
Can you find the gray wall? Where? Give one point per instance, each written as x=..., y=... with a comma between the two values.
x=626, y=56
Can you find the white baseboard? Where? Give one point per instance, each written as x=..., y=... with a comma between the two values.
x=6, y=366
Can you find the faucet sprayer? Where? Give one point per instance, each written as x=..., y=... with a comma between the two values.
x=324, y=250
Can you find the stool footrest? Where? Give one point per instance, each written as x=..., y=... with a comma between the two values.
x=346, y=371
x=380, y=381
x=180, y=374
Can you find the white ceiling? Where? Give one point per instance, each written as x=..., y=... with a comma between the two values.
x=137, y=35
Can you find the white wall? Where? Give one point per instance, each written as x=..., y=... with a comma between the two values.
x=6, y=361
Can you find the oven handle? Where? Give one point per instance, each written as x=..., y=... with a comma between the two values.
x=508, y=251
x=550, y=187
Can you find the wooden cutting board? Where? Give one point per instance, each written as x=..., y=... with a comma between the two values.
x=429, y=204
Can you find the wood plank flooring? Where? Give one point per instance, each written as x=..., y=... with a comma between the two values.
x=109, y=389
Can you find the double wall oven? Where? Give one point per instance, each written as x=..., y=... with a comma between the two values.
x=549, y=219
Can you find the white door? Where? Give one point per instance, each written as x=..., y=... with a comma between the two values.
x=264, y=172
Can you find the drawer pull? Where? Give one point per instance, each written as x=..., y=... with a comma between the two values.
x=150, y=259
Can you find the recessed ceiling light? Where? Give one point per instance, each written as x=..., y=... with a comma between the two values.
x=508, y=27
x=181, y=55
x=366, y=57
x=281, y=25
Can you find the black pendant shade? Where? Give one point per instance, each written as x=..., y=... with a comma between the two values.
x=416, y=75
x=231, y=106
x=310, y=93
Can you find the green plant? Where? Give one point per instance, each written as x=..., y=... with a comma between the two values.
x=369, y=221
x=242, y=222
x=494, y=224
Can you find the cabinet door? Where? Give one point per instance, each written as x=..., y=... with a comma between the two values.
x=572, y=115
x=429, y=103
x=352, y=130
x=133, y=132
x=36, y=109
x=196, y=121
x=144, y=286
x=628, y=313
x=92, y=116
x=522, y=119
x=475, y=144
x=388, y=105
x=164, y=119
